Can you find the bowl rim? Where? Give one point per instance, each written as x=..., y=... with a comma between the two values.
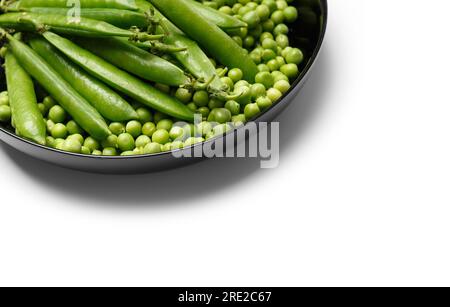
x=295, y=84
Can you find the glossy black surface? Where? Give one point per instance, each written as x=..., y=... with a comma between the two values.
x=307, y=33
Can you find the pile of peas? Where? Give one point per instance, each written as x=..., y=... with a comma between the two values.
x=267, y=42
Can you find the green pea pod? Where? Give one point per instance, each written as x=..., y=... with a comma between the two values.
x=193, y=58
x=105, y=100
x=81, y=111
x=208, y=35
x=112, y=4
x=135, y=60
x=120, y=18
x=216, y=17
x=28, y=120
x=121, y=80
x=79, y=26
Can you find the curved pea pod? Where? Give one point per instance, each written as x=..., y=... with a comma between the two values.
x=216, y=17
x=120, y=80
x=111, y=105
x=72, y=25
x=120, y=18
x=81, y=111
x=208, y=35
x=28, y=120
x=135, y=60
x=112, y=4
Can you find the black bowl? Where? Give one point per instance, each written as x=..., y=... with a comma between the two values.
x=307, y=34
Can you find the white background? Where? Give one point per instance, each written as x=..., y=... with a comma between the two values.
x=361, y=196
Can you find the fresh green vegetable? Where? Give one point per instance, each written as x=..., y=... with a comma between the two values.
x=22, y=99
x=135, y=60
x=82, y=112
x=210, y=37
x=105, y=100
x=120, y=79
x=112, y=4
x=220, y=19
x=79, y=26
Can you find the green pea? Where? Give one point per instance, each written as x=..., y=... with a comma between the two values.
x=134, y=128
x=268, y=54
x=50, y=141
x=282, y=40
x=57, y=114
x=111, y=141
x=152, y=148
x=235, y=74
x=203, y=128
x=49, y=102
x=282, y=85
x=238, y=120
x=177, y=133
x=263, y=12
x=201, y=98
x=273, y=65
x=142, y=140
x=183, y=95
x=221, y=115
x=59, y=131
x=280, y=29
x=280, y=61
x=176, y=145
x=117, y=128
x=166, y=147
x=165, y=124
x=71, y=145
x=91, y=143
x=255, y=57
x=221, y=129
x=285, y=51
x=269, y=43
x=42, y=108
x=278, y=75
x=263, y=103
x=109, y=151
x=215, y=103
x=265, y=35
x=58, y=143
x=148, y=129
x=294, y=56
x=233, y=106
x=251, y=18
x=203, y=111
x=251, y=110
x=77, y=137
x=161, y=136
x=85, y=150
x=290, y=14
x=262, y=67
x=128, y=153
x=125, y=142
x=268, y=25
x=281, y=4
x=96, y=152
x=73, y=128
x=271, y=4
x=257, y=90
x=264, y=78
x=240, y=84
x=144, y=115
x=290, y=70
x=274, y=94
x=227, y=81
x=277, y=17
x=4, y=100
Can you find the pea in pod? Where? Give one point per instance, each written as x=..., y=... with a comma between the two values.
x=111, y=105
x=112, y=4
x=120, y=80
x=208, y=35
x=120, y=18
x=193, y=58
x=135, y=60
x=28, y=120
x=81, y=111
x=79, y=26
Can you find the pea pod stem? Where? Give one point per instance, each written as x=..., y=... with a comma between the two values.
x=81, y=111
x=28, y=119
x=111, y=105
x=120, y=80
